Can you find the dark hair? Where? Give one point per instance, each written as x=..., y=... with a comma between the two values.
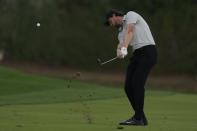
x=110, y=13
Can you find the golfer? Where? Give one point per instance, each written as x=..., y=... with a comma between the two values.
x=135, y=32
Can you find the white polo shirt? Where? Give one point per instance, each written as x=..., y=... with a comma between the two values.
x=142, y=35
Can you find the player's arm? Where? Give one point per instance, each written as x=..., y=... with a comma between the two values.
x=122, y=47
x=128, y=35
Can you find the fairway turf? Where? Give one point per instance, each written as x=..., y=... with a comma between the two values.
x=36, y=103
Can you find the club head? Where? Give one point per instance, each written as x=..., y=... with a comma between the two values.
x=105, y=62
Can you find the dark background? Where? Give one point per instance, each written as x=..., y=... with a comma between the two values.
x=72, y=33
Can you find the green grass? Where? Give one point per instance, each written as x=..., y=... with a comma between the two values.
x=36, y=103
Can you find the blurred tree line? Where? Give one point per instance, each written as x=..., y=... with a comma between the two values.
x=72, y=32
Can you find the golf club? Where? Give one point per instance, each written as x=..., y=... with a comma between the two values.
x=105, y=62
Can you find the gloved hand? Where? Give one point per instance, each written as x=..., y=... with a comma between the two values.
x=122, y=52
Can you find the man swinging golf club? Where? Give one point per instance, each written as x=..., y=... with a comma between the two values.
x=135, y=32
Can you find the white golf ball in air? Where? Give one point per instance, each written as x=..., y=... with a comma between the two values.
x=38, y=24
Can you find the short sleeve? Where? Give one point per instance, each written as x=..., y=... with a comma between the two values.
x=131, y=17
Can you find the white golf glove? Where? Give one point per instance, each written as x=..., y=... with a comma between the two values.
x=122, y=52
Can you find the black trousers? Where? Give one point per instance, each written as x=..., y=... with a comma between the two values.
x=140, y=65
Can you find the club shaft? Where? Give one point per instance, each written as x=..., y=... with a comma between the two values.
x=109, y=61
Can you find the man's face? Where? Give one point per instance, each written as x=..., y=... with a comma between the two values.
x=115, y=21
